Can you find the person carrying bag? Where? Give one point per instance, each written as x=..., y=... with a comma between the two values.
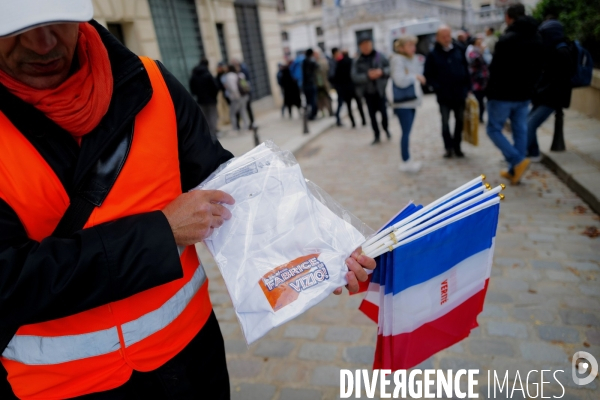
x=405, y=93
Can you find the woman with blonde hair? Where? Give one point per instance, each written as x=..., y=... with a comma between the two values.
x=405, y=92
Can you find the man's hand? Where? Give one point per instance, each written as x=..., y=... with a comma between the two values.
x=421, y=79
x=194, y=215
x=375, y=73
x=356, y=263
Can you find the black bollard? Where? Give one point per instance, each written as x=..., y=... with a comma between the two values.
x=256, y=137
x=558, y=141
x=305, y=121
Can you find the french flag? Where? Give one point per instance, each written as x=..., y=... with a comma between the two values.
x=426, y=294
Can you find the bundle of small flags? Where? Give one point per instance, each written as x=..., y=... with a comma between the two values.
x=433, y=267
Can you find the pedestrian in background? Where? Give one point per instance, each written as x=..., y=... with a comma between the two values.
x=238, y=97
x=309, y=83
x=291, y=90
x=342, y=80
x=406, y=71
x=447, y=71
x=553, y=91
x=515, y=69
x=322, y=82
x=205, y=88
x=480, y=73
x=490, y=39
x=242, y=67
x=222, y=100
x=370, y=72
x=280, y=67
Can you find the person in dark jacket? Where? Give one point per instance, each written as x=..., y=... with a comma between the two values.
x=309, y=83
x=514, y=72
x=85, y=267
x=291, y=90
x=370, y=73
x=447, y=71
x=205, y=87
x=553, y=91
x=344, y=86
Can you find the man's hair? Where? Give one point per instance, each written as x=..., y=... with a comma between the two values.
x=204, y=62
x=309, y=53
x=491, y=29
x=515, y=11
x=334, y=50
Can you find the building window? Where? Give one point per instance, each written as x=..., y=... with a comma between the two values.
x=280, y=6
x=222, y=43
x=364, y=33
x=117, y=30
x=284, y=36
x=317, y=3
x=319, y=31
x=321, y=46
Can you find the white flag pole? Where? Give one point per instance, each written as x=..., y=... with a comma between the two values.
x=404, y=237
x=424, y=210
x=393, y=238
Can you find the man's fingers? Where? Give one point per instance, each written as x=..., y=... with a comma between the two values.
x=216, y=222
x=352, y=285
x=366, y=262
x=358, y=270
x=338, y=291
x=218, y=196
x=220, y=211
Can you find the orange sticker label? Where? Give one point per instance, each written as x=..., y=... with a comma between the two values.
x=283, y=284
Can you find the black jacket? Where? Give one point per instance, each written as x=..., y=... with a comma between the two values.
x=309, y=71
x=342, y=78
x=448, y=73
x=554, y=87
x=204, y=86
x=54, y=278
x=359, y=72
x=517, y=63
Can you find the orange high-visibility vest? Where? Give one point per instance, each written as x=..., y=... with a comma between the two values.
x=98, y=349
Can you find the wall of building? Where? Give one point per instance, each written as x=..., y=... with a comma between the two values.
x=139, y=34
x=136, y=21
x=271, y=34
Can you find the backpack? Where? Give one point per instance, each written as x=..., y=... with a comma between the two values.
x=296, y=70
x=584, y=64
x=243, y=85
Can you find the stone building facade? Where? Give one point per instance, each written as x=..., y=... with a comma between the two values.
x=180, y=32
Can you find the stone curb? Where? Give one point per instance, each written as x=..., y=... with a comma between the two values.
x=580, y=176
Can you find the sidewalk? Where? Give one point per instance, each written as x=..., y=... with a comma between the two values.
x=285, y=132
x=579, y=165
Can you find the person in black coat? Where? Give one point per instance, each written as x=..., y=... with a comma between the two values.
x=309, y=82
x=205, y=88
x=553, y=91
x=447, y=71
x=514, y=72
x=344, y=86
x=291, y=90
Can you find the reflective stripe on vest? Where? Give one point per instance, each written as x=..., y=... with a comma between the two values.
x=38, y=350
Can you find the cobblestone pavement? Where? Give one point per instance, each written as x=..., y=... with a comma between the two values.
x=543, y=302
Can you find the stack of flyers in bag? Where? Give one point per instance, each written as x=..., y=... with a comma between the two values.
x=432, y=274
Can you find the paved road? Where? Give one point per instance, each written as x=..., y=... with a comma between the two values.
x=543, y=303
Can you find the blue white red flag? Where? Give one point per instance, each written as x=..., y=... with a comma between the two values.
x=426, y=294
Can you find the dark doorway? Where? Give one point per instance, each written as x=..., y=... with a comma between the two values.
x=246, y=13
x=178, y=34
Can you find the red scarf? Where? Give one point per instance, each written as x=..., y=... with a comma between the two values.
x=80, y=102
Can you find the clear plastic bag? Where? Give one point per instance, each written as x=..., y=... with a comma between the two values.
x=284, y=249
